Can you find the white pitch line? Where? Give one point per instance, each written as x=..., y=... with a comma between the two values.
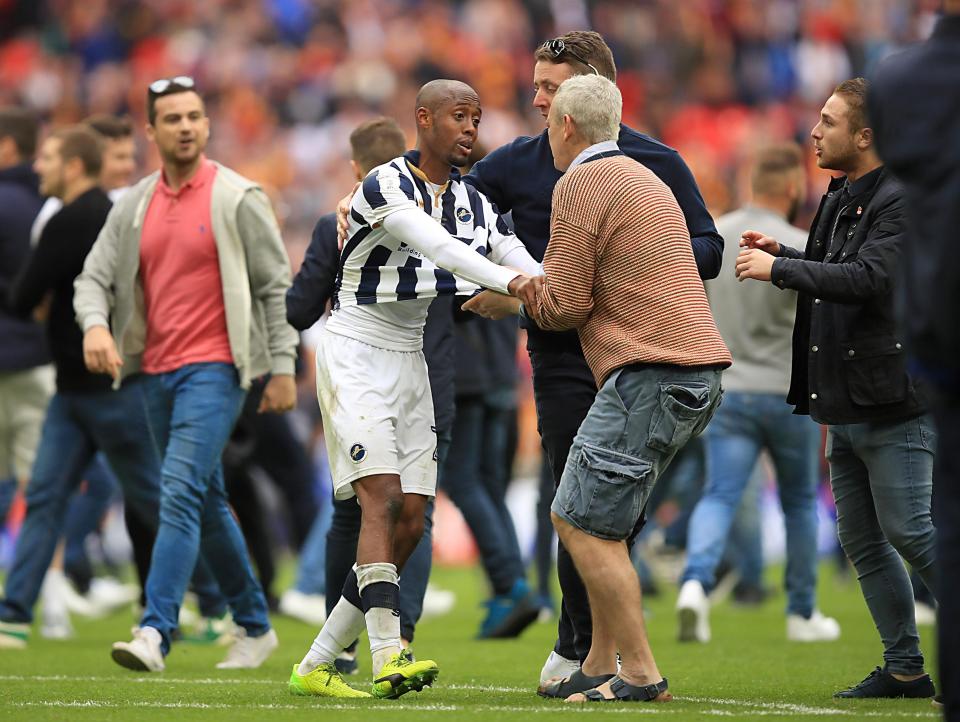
x=658, y=709
x=754, y=707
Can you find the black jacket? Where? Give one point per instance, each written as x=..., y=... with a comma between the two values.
x=849, y=355
x=52, y=267
x=914, y=103
x=315, y=284
x=22, y=342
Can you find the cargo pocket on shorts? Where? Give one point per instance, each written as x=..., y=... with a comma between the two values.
x=612, y=490
x=680, y=414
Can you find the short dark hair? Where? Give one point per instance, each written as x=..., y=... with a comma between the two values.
x=584, y=46
x=172, y=89
x=22, y=126
x=81, y=141
x=854, y=91
x=113, y=127
x=377, y=142
x=771, y=165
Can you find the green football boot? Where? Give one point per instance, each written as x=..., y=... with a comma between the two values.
x=401, y=675
x=324, y=681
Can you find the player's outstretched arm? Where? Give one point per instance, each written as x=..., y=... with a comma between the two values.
x=419, y=231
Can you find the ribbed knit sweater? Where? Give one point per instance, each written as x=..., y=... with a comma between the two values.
x=619, y=268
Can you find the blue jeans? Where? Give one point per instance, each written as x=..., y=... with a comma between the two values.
x=311, y=578
x=475, y=477
x=882, y=479
x=746, y=424
x=191, y=412
x=76, y=426
x=85, y=512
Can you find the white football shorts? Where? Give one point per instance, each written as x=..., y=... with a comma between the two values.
x=377, y=414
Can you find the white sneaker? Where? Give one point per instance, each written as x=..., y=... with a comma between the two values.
x=693, y=611
x=437, y=602
x=109, y=594
x=14, y=635
x=249, y=652
x=54, y=616
x=816, y=629
x=557, y=667
x=142, y=654
x=56, y=584
x=309, y=608
x=925, y=614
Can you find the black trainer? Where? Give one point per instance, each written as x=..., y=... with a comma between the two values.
x=880, y=683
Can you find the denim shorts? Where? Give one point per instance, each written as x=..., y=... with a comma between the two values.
x=642, y=415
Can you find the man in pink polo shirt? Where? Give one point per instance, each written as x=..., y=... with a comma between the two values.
x=186, y=285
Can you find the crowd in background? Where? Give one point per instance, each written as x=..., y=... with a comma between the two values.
x=287, y=80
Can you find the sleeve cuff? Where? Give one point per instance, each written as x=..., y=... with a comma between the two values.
x=283, y=366
x=778, y=275
x=95, y=319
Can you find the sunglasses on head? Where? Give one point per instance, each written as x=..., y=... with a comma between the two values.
x=159, y=87
x=558, y=49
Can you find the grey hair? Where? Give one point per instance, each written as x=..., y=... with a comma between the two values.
x=595, y=105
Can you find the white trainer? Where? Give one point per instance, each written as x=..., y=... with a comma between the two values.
x=308, y=608
x=816, y=629
x=437, y=602
x=925, y=614
x=142, y=654
x=54, y=615
x=109, y=595
x=14, y=635
x=249, y=652
x=693, y=611
x=557, y=667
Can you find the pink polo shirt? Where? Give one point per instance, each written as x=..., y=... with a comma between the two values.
x=180, y=271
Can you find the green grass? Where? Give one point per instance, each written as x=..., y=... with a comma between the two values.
x=748, y=671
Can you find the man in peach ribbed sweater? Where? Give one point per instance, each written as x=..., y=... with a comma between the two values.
x=620, y=269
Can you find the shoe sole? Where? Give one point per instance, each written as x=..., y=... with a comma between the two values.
x=416, y=683
x=688, y=625
x=130, y=661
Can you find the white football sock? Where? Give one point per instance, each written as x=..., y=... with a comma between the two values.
x=344, y=625
x=383, y=622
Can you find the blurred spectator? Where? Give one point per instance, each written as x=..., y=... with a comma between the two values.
x=289, y=79
x=757, y=324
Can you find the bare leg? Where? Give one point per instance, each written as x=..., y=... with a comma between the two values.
x=381, y=500
x=614, y=595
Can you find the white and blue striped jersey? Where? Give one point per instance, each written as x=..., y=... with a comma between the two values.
x=384, y=285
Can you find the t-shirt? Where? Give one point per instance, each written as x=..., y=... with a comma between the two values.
x=180, y=270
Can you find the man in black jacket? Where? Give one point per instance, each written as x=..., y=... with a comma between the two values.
x=850, y=372
x=26, y=377
x=85, y=415
x=918, y=148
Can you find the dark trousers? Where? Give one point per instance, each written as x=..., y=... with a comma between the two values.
x=267, y=441
x=342, y=553
x=946, y=517
x=476, y=476
x=564, y=390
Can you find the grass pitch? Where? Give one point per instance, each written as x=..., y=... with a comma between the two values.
x=748, y=671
